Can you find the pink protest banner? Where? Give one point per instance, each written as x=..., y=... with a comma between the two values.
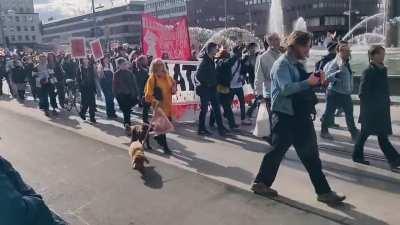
x=78, y=47
x=164, y=37
x=97, y=49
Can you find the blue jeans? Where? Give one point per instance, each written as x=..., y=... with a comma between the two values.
x=106, y=87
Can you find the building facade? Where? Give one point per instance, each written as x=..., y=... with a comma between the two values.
x=166, y=9
x=19, y=24
x=121, y=23
x=328, y=15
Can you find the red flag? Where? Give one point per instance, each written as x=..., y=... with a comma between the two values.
x=78, y=47
x=161, y=37
x=97, y=49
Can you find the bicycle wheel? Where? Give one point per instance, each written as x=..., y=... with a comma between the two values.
x=69, y=101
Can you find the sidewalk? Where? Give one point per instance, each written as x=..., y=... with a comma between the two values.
x=90, y=183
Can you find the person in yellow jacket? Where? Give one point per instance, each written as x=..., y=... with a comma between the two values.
x=158, y=91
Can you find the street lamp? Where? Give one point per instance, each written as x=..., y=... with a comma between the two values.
x=349, y=12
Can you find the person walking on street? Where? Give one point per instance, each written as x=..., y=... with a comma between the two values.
x=41, y=72
x=206, y=76
x=320, y=65
x=125, y=89
x=224, y=77
x=375, y=116
x=4, y=73
x=105, y=72
x=18, y=77
x=28, y=67
x=237, y=82
x=189, y=70
x=340, y=77
x=293, y=103
x=159, y=90
x=87, y=85
x=264, y=63
x=142, y=75
x=52, y=64
x=59, y=74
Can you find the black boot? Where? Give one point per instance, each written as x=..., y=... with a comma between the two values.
x=164, y=144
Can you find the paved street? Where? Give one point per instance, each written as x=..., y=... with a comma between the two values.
x=82, y=170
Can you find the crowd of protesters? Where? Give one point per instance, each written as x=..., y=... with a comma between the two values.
x=277, y=75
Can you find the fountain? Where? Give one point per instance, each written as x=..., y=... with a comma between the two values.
x=275, y=23
x=199, y=36
x=300, y=25
x=230, y=37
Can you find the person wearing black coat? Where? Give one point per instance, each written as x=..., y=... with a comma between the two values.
x=206, y=76
x=29, y=66
x=86, y=80
x=375, y=116
x=224, y=77
x=18, y=77
x=19, y=203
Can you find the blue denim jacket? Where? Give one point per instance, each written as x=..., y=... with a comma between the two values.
x=285, y=79
x=340, y=76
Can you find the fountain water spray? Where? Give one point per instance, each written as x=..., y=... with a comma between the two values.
x=275, y=23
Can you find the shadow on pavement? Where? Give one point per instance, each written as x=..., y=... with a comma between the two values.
x=352, y=175
x=354, y=217
x=152, y=178
x=210, y=168
x=63, y=118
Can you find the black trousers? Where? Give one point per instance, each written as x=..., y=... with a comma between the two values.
x=126, y=102
x=34, y=89
x=299, y=132
x=336, y=100
x=88, y=101
x=384, y=143
x=146, y=110
x=208, y=95
x=226, y=103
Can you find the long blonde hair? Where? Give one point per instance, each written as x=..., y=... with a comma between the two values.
x=157, y=63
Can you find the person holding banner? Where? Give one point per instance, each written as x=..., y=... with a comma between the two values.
x=206, y=76
x=86, y=78
x=159, y=90
x=125, y=89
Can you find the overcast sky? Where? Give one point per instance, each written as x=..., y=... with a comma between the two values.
x=59, y=9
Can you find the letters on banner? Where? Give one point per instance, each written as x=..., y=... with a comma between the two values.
x=163, y=37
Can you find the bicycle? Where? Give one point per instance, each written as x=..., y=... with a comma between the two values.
x=73, y=96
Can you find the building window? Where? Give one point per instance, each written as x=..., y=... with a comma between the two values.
x=335, y=21
x=16, y=18
x=32, y=28
x=25, y=28
x=33, y=38
x=18, y=28
x=27, y=37
x=19, y=38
